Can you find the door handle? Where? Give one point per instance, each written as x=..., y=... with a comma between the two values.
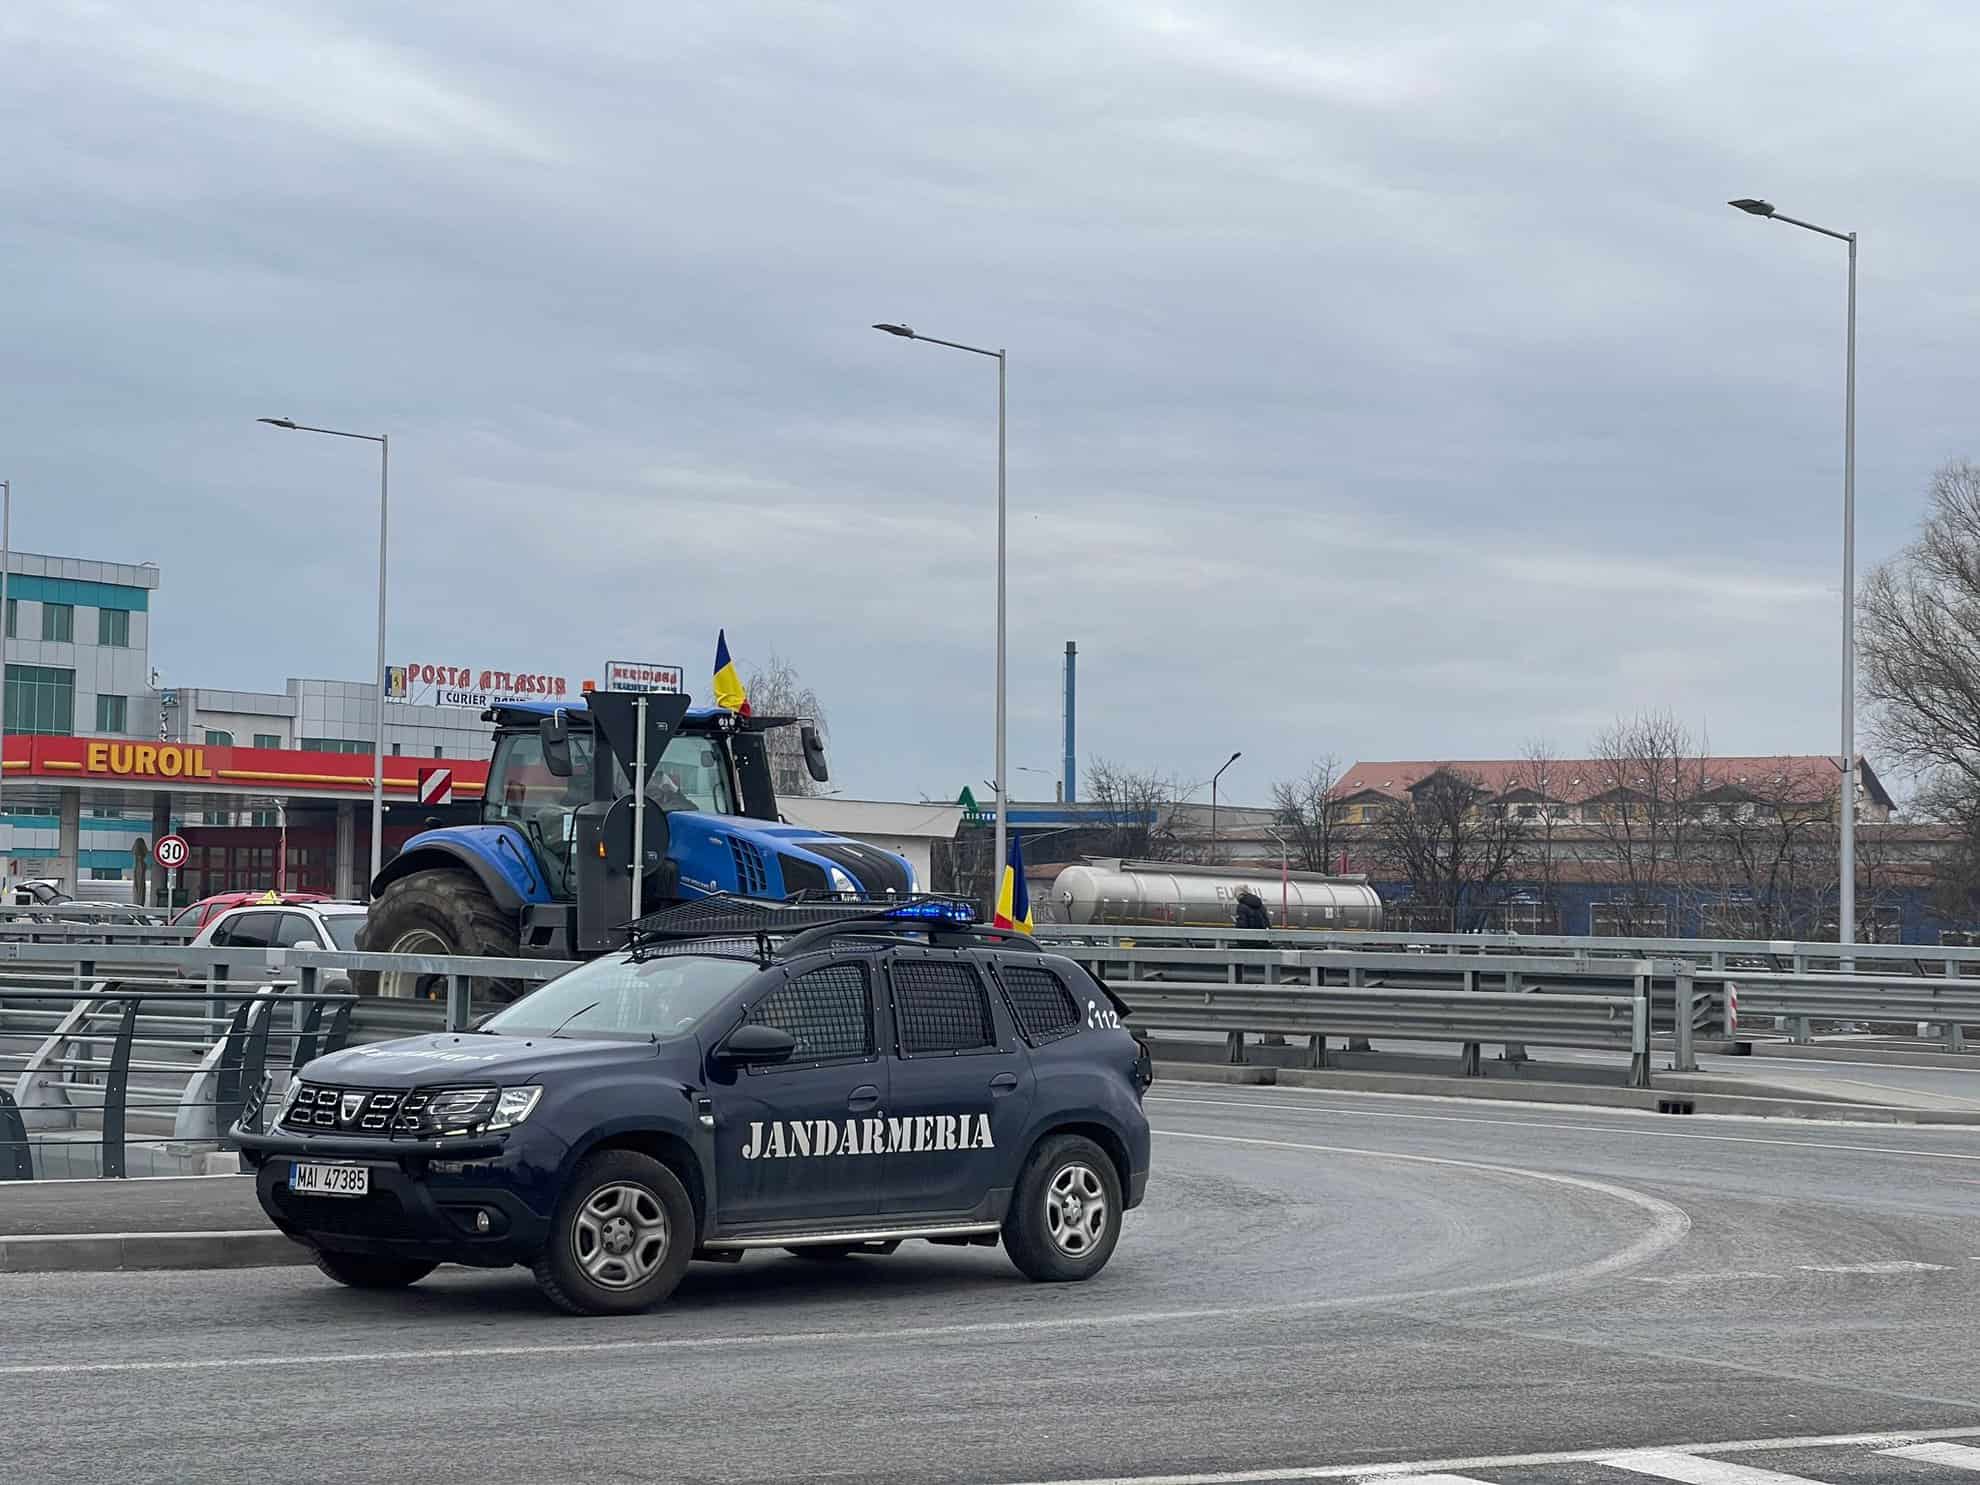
x=864, y=1097
x=1004, y=1083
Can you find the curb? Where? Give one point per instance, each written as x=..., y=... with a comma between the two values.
x=109, y=1252
x=1652, y=1100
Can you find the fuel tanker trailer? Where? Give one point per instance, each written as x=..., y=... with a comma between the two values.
x=1159, y=893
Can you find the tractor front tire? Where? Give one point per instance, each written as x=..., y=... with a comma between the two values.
x=436, y=912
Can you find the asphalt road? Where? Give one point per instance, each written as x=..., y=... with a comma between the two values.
x=1319, y=1283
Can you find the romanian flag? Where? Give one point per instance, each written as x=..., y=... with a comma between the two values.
x=729, y=690
x=1013, y=899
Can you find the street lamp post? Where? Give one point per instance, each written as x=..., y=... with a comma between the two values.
x=1213, y=800
x=378, y=670
x=1000, y=783
x=1846, y=907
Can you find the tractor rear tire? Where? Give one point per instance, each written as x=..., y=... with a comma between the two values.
x=437, y=912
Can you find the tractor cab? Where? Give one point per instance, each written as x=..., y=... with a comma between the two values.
x=526, y=789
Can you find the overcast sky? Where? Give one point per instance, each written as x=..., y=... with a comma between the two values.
x=1385, y=380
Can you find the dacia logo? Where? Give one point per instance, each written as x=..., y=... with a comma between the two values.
x=350, y=1106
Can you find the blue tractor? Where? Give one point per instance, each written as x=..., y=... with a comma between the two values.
x=549, y=871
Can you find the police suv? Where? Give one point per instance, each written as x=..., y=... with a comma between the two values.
x=830, y=1079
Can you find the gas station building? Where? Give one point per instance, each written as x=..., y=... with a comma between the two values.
x=103, y=755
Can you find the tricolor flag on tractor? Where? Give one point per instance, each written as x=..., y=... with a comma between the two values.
x=729, y=692
x=1013, y=899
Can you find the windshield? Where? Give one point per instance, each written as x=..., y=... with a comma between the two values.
x=618, y=996
x=521, y=788
x=343, y=928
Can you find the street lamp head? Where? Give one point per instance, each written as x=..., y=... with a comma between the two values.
x=277, y=422
x=1755, y=207
x=901, y=330
x=1232, y=759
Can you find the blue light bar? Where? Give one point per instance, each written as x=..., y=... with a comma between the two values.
x=939, y=912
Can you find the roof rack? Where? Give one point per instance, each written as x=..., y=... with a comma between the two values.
x=803, y=923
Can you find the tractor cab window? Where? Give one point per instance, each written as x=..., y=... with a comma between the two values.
x=522, y=791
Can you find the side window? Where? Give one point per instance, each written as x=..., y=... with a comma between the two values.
x=1044, y=1007
x=941, y=1008
x=829, y=1011
x=250, y=931
x=297, y=932
x=223, y=933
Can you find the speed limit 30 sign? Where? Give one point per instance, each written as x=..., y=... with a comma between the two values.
x=170, y=852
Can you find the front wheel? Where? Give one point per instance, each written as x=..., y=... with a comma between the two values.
x=435, y=913
x=622, y=1238
x=1065, y=1215
x=369, y=1271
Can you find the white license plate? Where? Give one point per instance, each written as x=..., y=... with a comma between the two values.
x=330, y=1180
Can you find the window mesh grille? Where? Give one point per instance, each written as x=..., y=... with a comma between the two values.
x=942, y=1008
x=1044, y=1006
x=827, y=1010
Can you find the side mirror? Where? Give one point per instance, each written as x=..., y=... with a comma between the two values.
x=555, y=730
x=753, y=1045
x=814, y=753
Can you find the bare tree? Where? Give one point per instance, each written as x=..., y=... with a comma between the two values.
x=1919, y=639
x=1133, y=813
x=1647, y=777
x=777, y=690
x=1766, y=846
x=1314, y=821
x=1541, y=774
x=1451, y=841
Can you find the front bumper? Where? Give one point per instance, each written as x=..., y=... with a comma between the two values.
x=426, y=1200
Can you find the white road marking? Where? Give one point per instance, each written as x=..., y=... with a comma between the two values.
x=1689, y=1469
x=1433, y=1480
x=1650, y=1134
x=1669, y=1224
x=1387, y=1474
x=1952, y=1456
x=1873, y=1268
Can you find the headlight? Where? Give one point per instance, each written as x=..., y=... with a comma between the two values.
x=289, y=1098
x=841, y=882
x=436, y=1113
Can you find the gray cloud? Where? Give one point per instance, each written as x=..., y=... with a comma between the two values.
x=1385, y=383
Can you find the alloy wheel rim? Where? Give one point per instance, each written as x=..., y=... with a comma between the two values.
x=619, y=1235
x=1076, y=1212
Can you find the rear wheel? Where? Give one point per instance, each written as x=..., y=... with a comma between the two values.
x=1065, y=1215
x=435, y=912
x=622, y=1238
x=369, y=1271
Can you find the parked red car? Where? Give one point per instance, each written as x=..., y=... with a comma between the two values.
x=203, y=912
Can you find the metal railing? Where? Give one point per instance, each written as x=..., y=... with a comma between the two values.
x=1470, y=1018
x=145, y=1063
x=1800, y=1000
x=1780, y=955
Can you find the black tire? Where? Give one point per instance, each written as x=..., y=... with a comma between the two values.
x=581, y=1268
x=371, y=1271
x=449, y=909
x=1051, y=1231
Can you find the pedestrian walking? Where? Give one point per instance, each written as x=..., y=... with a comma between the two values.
x=1251, y=910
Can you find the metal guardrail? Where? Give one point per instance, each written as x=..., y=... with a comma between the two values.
x=1800, y=1000
x=1779, y=955
x=1471, y=1018
x=101, y=1068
